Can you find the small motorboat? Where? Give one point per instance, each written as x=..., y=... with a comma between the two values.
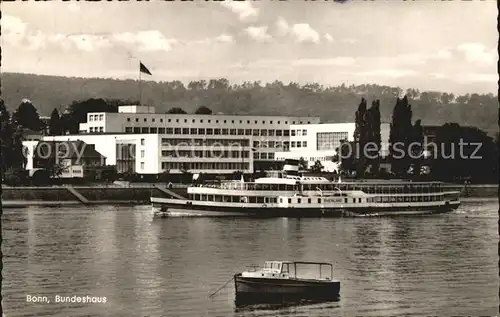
x=287, y=281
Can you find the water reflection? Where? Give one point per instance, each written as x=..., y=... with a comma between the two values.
x=145, y=266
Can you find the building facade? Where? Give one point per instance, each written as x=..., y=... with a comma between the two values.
x=318, y=142
x=262, y=136
x=158, y=153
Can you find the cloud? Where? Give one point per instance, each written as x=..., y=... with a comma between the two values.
x=282, y=26
x=477, y=53
x=349, y=41
x=388, y=73
x=244, y=10
x=410, y=59
x=303, y=32
x=151, y=40
x=300, y=32
x=482, y=77
x=438, y=75
x=13, y=29
x=258, y=33
x=336, y=61
x=224, y=38
x=328, y=38
x=89, y=42
x=443, y=54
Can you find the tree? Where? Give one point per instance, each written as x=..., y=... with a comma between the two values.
x=27, y=116
x=417, y=149
x=400, y=137
x=203, y=110
x=374, y=135
x=55, y=123
x=317, y=167
x=11, y=137
x=464, y=152
x=76, y=113
x=302, y=164
x=6, y=135
x=176, y=110
x=346, y=157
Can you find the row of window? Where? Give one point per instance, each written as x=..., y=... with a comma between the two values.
x=96, y=129
x=208, y=131
x=373, y=189
x=96, y=117
x=204, y=166
x=271, y=144
x=265, y=200
x=161, y=120
x=205, y=154
x=300, y=132
x=214, y=154
x=298, y=144
x=201, y=142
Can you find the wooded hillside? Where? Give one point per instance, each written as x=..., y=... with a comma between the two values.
x=332, y=104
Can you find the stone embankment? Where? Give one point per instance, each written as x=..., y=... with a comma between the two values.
x=86, y=195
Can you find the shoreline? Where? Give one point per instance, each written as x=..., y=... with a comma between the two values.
x=59, y=196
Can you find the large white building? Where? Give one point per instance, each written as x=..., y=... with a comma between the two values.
x=138, y=139
x=318, y=142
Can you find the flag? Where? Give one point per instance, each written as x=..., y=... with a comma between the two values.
x=143, y=69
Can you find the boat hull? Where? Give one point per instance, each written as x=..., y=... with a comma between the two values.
x=183, y=208
x=268, y=289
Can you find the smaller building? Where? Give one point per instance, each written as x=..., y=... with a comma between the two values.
x=69, y=159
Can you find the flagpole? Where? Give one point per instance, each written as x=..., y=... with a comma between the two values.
x=140, y=87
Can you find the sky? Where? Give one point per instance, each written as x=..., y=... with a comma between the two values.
x=428, y=45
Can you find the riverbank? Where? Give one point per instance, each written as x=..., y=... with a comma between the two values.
x=15, y=197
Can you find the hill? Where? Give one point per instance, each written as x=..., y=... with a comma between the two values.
x=332, y=104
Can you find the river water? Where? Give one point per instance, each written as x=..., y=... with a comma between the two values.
x=414, y=266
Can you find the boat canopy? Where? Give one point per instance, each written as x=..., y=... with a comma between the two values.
x=301, y=269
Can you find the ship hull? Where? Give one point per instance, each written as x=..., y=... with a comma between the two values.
x=268, y=289
x=173, y=207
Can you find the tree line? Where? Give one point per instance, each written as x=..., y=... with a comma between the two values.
x=331, y=103
x=456, y=152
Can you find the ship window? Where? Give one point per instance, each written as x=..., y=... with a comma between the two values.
x=284, y=268
x=359, y=200
x=308, y=200
x=345, y=200
x=204, y=197
x=289, y=200
x=218, y=198
x=319, y=200
x=354, y=200
x=299, y=200
x=281, y=200
x=260, y=200
x=210, y=197
x=253, y=200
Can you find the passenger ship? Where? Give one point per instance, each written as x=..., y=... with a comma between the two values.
x=287, y=194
